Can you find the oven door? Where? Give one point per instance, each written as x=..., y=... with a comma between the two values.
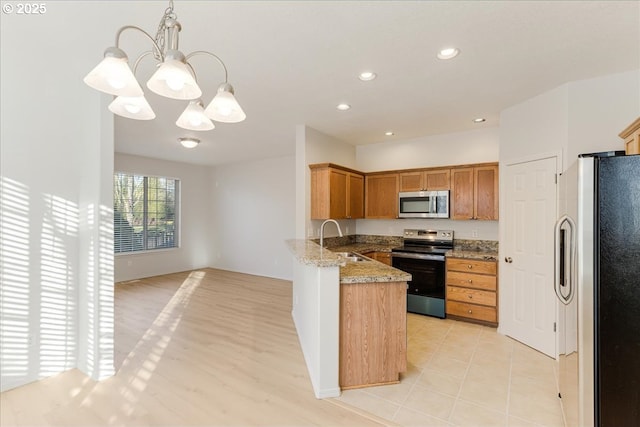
x=425, y=291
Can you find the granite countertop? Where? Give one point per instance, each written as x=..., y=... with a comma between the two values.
x=367, y=271
x=479, y=253
x=363, y=248
x=473, y=254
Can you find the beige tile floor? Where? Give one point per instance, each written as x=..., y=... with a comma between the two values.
x=461, y=374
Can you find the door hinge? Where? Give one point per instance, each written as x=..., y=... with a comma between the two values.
x=554, y=326
x=556, y=177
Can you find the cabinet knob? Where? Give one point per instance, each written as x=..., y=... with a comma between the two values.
x=470, y=296
x=469, y=266
x=470, y=312
x=470, y=280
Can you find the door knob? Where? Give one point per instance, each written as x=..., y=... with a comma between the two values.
x=508, y=259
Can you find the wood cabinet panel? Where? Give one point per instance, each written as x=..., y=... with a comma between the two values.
x=336, y=193
x=425, y=180
x=474, y=193
x=472, y=266
x=410, y=181
x=472, y=290
x=486, y=192
x=631, y=137
x=373, y=340
x=469, y=295
x=356, y=196
x=461, y=196
x=472, y=311
x=383, y=257
x=459, y=278
x=437, y=179
x=381, y=196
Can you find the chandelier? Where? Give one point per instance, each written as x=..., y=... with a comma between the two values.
x=174, y=78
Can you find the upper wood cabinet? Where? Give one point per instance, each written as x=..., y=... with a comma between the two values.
x=336, y=192
x=423, y=180
x=381, y=195
x=474, y=192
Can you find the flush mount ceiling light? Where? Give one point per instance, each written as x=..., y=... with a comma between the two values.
x=343, y=107
x=479, y=120
x=448, y=53
x=174, y=78
x=389, y=133
x=367, y=76
x=189, y=142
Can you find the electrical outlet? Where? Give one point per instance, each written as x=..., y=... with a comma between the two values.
x=474, y=233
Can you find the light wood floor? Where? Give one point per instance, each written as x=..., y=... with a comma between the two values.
x=206, y=348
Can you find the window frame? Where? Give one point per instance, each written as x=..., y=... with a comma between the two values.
x=177, y=217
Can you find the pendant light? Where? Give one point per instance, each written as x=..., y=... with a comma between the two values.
x=175, y=78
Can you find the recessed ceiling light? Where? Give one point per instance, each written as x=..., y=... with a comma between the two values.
x=479, y=120
x=189, y=142
x=448, y=53
x=343, y=107
x=389, y=133
x=366, y=76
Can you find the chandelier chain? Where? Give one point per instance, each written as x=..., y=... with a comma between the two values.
x=162, y=29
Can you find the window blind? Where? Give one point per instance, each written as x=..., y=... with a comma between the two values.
x=144, y=212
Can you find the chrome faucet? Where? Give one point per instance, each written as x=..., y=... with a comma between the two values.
x=322, y=230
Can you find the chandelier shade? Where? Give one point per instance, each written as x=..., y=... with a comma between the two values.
x=224, y=107
x=113, y=75
x=174, y=78
x=136, y=108
x=193, y=117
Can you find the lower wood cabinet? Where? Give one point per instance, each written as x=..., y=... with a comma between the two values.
x=373, y=333
x=472, y=290
x=383, y=257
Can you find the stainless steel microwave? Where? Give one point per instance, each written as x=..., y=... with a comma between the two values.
x=423, y=204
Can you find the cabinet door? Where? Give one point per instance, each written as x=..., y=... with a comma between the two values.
x=461, y=193
x=411, y=181
x=356, y=196
x=338, y=194
x=438, y=179
x=486, y=192
x=381, y=196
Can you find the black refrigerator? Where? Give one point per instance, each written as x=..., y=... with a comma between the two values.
x=598, y=265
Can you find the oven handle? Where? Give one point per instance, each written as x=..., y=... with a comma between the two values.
x=417, y=256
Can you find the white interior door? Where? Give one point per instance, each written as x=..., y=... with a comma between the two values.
x=527, y=298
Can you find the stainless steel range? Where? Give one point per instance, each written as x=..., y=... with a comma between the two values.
x=423, y=257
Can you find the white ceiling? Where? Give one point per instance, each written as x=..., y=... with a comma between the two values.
x=292, y=62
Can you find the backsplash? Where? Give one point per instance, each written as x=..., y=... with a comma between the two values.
x=392, y=241
x=476, y=245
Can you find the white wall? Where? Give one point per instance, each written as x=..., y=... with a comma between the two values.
x=316, y=147
x=578, y=117
x=477, y=146
x=52, y=201
x=252, y=214
x=599, y=109
x=194, y=217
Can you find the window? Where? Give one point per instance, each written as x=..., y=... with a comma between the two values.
x=144, y=212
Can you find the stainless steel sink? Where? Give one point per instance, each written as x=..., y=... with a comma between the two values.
x=351, y=256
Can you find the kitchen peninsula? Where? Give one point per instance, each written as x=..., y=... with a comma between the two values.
x=350, y=316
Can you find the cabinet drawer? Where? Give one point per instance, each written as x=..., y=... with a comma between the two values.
x=472, y=311
x=467, y=280
x=472, y=266
x=471, y=296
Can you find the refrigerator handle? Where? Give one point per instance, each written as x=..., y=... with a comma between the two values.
x=559, y=260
